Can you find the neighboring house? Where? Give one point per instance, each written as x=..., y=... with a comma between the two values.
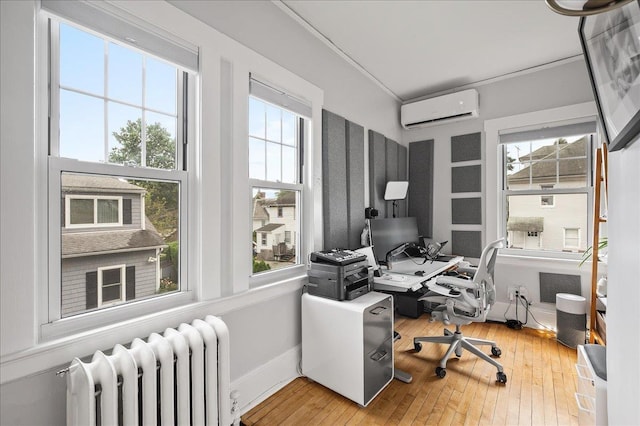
x=110, y=250
x=274, y=225
x=550, y=222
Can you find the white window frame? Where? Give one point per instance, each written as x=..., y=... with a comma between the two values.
x=67, y=206
x=494, y=206
x=564, y=238
x=301, y=189
x=123, y=285
x=52, y=324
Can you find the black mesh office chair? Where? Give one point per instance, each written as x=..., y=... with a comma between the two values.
x=460, y=302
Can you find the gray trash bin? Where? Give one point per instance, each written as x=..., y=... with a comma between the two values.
x=571, y=319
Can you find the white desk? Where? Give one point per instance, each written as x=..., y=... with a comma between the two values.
x=402, y=277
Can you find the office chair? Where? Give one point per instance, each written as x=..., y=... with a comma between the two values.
x=461, y=301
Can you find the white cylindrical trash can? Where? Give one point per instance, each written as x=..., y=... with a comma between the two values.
x=571, y=319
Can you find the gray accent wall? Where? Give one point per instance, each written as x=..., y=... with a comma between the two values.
x=387, y=162
x=466, y=194
x=466, y=243
x=551, y=284
x=466, y=179
x=342, y=181
x=421, y=185
x=466, y=211
x=466, y=147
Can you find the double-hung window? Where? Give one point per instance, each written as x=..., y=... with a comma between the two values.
x=278, y=124
x=546, y=187
x=120, y=99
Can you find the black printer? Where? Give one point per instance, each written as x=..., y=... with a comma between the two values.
x=339, y=274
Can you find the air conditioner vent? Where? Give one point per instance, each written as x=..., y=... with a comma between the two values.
x=440, y=110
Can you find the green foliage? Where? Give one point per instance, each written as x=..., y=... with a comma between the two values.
x=162, y=198
x=172, y=252
x=260, y=265
x=589, y=251
x=160, y=146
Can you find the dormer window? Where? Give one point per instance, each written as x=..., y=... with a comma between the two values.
x=88, y=211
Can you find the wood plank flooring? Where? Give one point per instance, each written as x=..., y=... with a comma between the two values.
x=539, y=390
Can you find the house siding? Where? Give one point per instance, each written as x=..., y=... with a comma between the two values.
x=74, y=276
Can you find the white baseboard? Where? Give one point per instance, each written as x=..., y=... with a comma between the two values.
x=261, y=383
x=545, y=317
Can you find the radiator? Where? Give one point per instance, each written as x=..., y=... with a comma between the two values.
x=181, y=377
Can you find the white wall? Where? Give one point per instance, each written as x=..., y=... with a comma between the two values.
x=623, y=298
x=547, y=88
x=264, y=321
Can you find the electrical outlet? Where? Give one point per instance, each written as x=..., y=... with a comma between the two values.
x=511, y=292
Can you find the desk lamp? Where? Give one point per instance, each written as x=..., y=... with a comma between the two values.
x=396, y=190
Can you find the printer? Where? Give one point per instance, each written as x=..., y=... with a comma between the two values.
x=339, y=274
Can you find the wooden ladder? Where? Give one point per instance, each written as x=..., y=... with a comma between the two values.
x=601, y=173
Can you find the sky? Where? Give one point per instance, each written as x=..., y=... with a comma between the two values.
x=91, y=109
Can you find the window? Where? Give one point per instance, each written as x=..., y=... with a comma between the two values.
x=92, y=211
x=276, y=141
x=116, y=232
x=546, y=200
x=571, y=238
x=546, y=190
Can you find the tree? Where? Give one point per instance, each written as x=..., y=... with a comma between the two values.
x=160, y=146
x=162, y=198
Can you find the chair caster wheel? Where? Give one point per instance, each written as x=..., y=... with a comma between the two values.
x=501, y=377
x=495, y=351
x=441, y=372
x=417, y=346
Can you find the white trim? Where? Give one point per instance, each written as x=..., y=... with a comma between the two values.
x=95, y=224
x=62, y=350
x=264, y=381
x=492, y=128
x=564, y=238
x=123, y=285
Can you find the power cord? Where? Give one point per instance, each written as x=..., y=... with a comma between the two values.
x=516, y=323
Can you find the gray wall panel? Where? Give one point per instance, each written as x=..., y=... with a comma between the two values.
x=355, y=182
x=466, y=179
x=466, y=211
x=466, y=147
x=391, y=165
x=402, y=175
x=551, y=284
x=377, y=172
x=334, y=181
x=421, y=185
x=466, y=243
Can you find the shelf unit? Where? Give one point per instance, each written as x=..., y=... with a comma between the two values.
x=596, y=320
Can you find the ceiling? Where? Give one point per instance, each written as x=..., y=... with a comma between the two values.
x=411, y=49
x=445, y=44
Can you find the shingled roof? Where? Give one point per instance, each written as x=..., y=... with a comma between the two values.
x=93, y=243
x=97, y=184
x=546, y=170
x=269, y=227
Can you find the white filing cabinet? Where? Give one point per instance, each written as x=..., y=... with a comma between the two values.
x=591, y=395
x=347, y=346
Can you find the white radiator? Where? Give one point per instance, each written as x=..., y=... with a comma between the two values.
x=179, y=378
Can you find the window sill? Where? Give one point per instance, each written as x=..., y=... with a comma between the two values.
x=60, y=352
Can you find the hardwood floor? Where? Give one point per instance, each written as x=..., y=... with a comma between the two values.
x=539, y=390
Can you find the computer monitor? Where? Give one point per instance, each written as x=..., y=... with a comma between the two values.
x=387, y=234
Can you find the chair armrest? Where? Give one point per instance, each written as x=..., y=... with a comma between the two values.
x=456, y=282
x=466, y=270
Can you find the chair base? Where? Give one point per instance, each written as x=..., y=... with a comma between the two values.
x=457, y=342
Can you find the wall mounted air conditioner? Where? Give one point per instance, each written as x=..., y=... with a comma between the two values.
x=440, y=110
